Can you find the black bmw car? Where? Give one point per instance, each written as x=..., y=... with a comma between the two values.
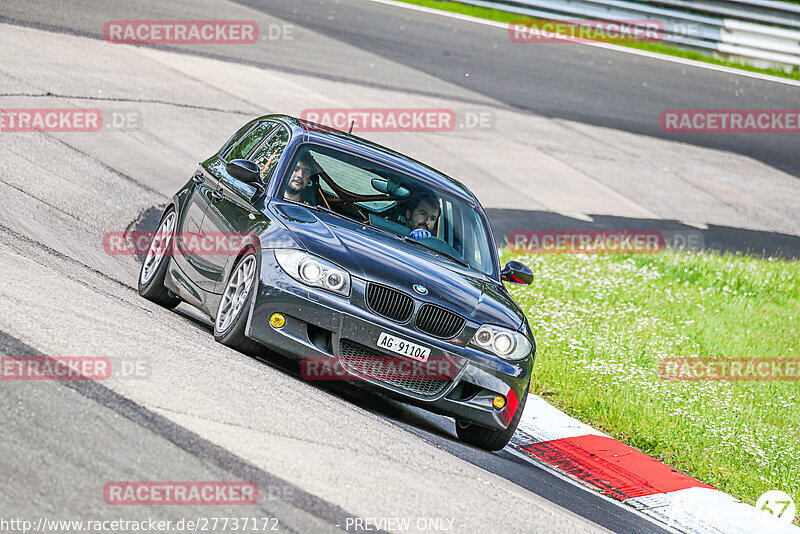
x=358, y=261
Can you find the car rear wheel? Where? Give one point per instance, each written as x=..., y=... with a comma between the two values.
x=229, y=326
x=154, y=266
x=487, y=438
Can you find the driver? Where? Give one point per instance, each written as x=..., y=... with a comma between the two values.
x=297, y=188
x=422, y=215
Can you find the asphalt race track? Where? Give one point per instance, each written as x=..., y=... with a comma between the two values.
x=573, y=142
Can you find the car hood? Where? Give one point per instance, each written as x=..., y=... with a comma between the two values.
x=372, y=255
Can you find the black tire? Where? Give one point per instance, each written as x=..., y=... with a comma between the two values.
x=487, y=438
x=232, y=335
x=153, y=288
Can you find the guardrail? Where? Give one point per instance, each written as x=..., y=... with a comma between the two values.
x=770, y=12
x=759, y=44
x=763, y=33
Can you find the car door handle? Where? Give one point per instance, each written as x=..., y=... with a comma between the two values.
x=217, y=194
x=198, y=178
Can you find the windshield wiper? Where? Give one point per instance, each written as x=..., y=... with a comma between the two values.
x=458, y=260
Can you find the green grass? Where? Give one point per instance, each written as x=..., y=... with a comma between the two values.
x=603, y=323
x=506, y=17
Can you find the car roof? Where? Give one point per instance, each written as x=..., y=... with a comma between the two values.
x=323, y=135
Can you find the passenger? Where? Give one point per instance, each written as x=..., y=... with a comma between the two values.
x=422, y=215
x=298, y=188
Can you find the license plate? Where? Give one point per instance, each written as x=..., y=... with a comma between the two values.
x=403, y=347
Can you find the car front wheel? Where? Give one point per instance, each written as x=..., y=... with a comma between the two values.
x=231, y=319
x=487, y=438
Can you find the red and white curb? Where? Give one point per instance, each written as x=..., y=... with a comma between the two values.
x=669, y=497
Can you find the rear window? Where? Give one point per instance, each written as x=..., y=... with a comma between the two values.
x=269, y=153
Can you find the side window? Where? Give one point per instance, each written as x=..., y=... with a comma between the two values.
x=269, y=153
x=235, y=137
x=249, y=141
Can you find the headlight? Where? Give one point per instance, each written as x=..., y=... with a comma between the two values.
x=313, y=271
x=310, y=270
x=502, y=342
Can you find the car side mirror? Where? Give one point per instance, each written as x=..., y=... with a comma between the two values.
x=517, y=273
x=244, y=170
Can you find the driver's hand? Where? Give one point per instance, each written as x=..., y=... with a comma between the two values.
x=420, y=233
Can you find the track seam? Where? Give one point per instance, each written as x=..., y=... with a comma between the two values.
x=185, y=439
x=278, y=68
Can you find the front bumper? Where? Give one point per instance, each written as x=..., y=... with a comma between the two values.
x=457, y=380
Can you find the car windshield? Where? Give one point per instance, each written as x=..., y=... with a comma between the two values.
x=374, y=195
